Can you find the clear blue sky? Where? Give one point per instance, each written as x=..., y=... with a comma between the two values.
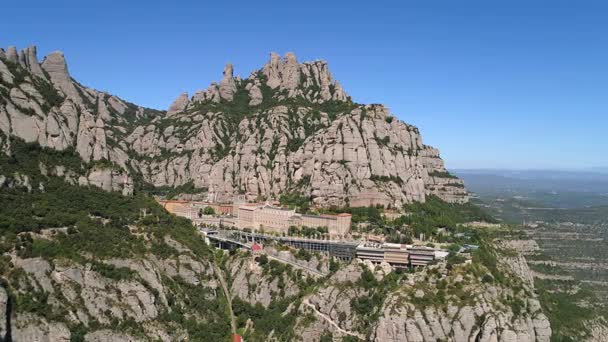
x=492, y=84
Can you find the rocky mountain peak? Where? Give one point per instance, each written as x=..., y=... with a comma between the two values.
x=228, y=71
x=179, y=104
x=311, y=80
x=228, y=84
x=56, y=67
x=27, y=58
x=286, y=78
x=288, y=127
x=284, y=74
x=55, y=62
x=11, y=54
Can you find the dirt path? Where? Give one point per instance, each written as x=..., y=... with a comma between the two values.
x=331, y=321
x=220, y=276
x=296, y=265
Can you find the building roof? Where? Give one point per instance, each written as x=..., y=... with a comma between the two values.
x=277, y=208
x=393, y=245
x=324, y=216
x=173, y=201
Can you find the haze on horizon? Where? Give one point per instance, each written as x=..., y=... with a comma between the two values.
x=517, y=85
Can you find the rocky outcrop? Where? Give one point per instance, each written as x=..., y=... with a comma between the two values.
x=11, y=54
x=109, y=180
x=312, y=81
x=36, y=329
x=227, y=84
x=72, y=283
x=481, y=322
x=469, y=309
x=95, y=295
x=489, y=314
x=55, y=65
x=107, y=335
x=288, y=127
x=4, y=310
x=30, y=61
x=345, y=154
x=598, y=330
x=485, y=316
x=180, y=103
x=252, y=285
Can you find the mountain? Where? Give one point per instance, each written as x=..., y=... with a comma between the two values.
x=287, y=128
x=82, y=264
x=87, y=255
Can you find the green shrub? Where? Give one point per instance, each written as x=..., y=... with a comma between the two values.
x=441, y=174
x=296, y=201
x=487, y=278
x=113, y=272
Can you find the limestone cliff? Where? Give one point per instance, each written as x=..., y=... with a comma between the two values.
x=288, y=127
x=116, y=300
x=363, y=302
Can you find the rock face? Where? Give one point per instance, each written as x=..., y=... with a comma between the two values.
x=109, y=180
x=486, y=316
x=31, y=328
x=3, y=311
x=228, y=85
x=81, y=294
x=180, y=103
x=112, y=268
x=469, y=310
x=288, y=127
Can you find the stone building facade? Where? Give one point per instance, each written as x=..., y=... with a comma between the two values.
x=278, y=220
x=192, y=209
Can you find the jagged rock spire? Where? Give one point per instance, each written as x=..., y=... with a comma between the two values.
x=53, y=68
x=272, y=70
x=291, y=71
x=11, y=54
x=284, y=74
x=310, y=80
x=30, y=60
x=301, y=79
x=26, y=58
x=227, y=84
x=55, y=65
x=179, y=105
x=226, y=157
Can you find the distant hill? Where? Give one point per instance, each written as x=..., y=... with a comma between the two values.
x=568, y=189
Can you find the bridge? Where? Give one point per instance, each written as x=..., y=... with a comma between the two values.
x=222, y=239
x=230, y=239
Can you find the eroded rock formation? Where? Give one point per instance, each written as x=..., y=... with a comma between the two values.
x=288, y=127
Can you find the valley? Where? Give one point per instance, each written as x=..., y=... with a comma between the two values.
x=567, y=221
